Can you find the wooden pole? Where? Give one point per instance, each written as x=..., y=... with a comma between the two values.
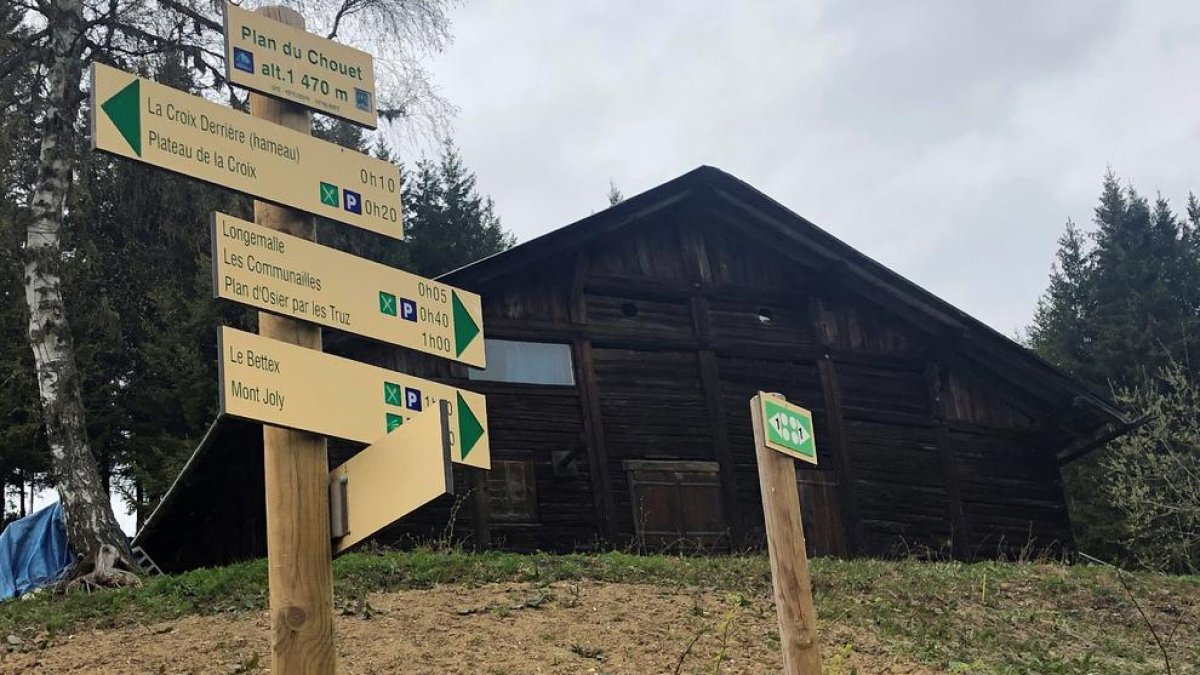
x=300, y=571
x=785, y=544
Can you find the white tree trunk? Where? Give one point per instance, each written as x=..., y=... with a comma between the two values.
x=86, y=507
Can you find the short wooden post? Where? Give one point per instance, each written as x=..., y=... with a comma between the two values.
x=785, y=544
x=299, y=561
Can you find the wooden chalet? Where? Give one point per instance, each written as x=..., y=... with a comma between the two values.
x=623, y=351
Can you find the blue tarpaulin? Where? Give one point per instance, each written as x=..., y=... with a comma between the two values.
x=33, y=552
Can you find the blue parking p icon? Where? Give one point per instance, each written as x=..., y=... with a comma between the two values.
x=352, y=201
x=412, y=399
x=408, y=309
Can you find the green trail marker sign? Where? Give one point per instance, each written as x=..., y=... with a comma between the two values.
x=142, y=120
x=290, y=386
x=789, y=428
x=287, y=275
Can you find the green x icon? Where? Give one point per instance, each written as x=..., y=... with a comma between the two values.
x=329, y=194
x=387, y=303
x=391, y=394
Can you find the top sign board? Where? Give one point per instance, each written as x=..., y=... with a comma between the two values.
x=142, y=120
x=789, y=428
x=280, y=60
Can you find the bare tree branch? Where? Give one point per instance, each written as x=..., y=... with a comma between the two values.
x=342, y=12
x=193, y=15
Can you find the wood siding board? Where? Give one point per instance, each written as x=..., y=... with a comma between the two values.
x=1012, y=497
x=710, y=380
x=761, y=322
x=648, y=317
x=743, y=375
x=820, y=504
x=695, y=251
x=577, y=304
x=701, y=323
x=843, y=467
x=729, y=220
x=589, y=392
x=884, y=389
x=479, y=508
x=526, y=422
x=632, y=337
x=960, y=534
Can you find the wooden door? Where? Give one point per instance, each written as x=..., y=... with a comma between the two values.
x=677, y=504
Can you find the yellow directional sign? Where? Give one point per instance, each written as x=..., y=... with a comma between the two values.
x=145, y=121
x=398, y=474
x=293, y=64
x=290, y=386
x=267, y=269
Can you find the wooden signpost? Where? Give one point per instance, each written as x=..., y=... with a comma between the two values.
x=280, y=377
x=778, y=438
x=295, y=463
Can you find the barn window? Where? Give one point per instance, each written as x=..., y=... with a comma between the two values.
x=629, y=309
x=765, y=316
x=676, y=503
x=512, y=491
x=526, y=363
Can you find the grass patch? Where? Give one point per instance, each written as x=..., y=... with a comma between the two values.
x=242, y=587
x=987, y=618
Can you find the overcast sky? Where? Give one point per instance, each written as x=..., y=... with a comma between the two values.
x=948, y=140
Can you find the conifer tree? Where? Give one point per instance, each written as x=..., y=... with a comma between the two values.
x=1128, y=300
x=448, y=223
x=1123, y=305
x=1060, y=331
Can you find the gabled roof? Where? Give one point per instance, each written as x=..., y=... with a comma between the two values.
x=716, y=189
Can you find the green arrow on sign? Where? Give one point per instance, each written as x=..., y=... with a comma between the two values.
x=469, y=428
x=125, y=111
x=465, y=328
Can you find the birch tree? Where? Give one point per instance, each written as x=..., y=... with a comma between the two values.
x=64, y=35
x=86, y=509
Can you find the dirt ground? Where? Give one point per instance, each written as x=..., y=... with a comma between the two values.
x=500, y=628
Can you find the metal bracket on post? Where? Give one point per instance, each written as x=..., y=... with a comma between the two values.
x=446, y=409
x=339, y=513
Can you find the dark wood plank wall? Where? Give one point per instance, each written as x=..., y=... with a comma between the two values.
x=651, y=407
x=675, y=324
x=534, y=422
x=741, y=379
x=219, y=516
